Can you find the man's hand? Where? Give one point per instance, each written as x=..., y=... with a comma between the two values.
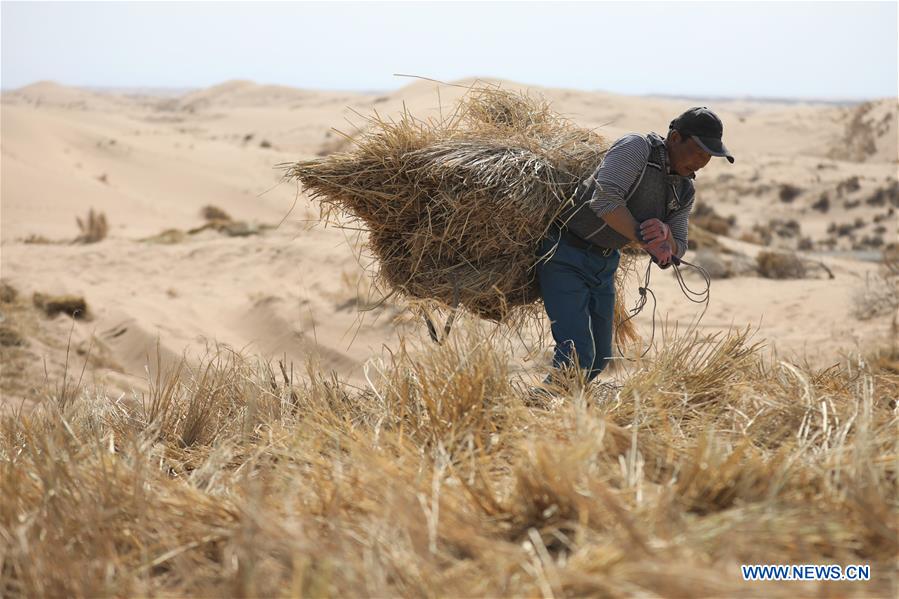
x=656, y=239
x=660, y=250
x=653, y=229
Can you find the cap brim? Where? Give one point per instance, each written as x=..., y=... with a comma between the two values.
x=713, y=146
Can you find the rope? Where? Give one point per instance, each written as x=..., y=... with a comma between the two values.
x=697, y=297
x=432, y=330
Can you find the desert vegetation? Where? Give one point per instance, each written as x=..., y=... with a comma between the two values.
x=93, y=228
x=216, y=219
x=879, y=294
x=70, y=305
x=238, y=477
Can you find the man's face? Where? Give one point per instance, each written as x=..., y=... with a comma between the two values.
x=685, y=155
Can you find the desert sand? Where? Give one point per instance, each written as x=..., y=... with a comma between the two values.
x=291, y=289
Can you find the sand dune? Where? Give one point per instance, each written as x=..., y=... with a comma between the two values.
x=151, y=162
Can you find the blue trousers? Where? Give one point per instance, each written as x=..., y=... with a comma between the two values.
x=578, y=288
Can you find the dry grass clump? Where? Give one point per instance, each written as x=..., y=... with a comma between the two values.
x=336, y=141
x=216, y=220
x=822, y=204
x=231, y=228
x=35, y=239
x=10, y=337
x=455, y=207
x=211, y=212
x=8, y=293
x=699, y=238
x=888, y=194
x=93, y=228
x=167, y=237
x=71, y=305
x=788, y=192
x=880, y=293
x=878, y=296
x=780, y=265
x=234, y=478
x=887, y=360
x=705, y=217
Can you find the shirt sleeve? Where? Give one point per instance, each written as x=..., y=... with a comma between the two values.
x=618, y=172
x=679, y=223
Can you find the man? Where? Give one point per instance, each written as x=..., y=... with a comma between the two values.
x=643, y=192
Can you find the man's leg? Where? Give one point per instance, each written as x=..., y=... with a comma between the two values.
x=566, y=298
x=602, y=310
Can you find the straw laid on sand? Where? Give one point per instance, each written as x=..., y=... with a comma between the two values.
x=456, y=208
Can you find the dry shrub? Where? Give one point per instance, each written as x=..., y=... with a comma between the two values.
x=784, y=230
x=718, y=226
x=231, y=228
x=788, y=192
x=169, y=236
x=886, y=360
x=234, y=478
x=705, y=217
x=336, y=141
x=880, y=293
x=8, y=293
x=211, y=212
x=9, y=337
x=51, y=305
x=456, y=207
x=93, y=229
x=225, y=226
x=891, y=259
x=849, y=185
x=780, y=265
x=883, y=195
x=34, y=238
x=699, y=238
x=752, y=237
x=822, y=204
x=716, y=264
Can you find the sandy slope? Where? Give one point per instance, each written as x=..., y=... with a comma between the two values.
x=150, y=163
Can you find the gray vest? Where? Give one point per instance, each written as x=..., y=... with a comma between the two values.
x=655, y=194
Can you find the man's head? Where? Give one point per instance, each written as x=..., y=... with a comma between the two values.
x=693, y=138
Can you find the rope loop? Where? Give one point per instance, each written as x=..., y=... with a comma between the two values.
x=697, y=297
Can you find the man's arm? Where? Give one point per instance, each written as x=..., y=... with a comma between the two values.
x=624, y=222
x=679, y=226
x=615, y=176
x=622, y=165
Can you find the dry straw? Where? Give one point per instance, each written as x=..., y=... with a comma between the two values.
x=455, y=207
x=94, y=228
x=234, y=478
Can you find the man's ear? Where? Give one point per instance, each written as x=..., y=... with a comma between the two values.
x=674, y=136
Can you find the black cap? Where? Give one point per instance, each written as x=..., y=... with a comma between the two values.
x=705, y=128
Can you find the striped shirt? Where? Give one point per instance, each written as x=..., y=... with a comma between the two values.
x=618, y=172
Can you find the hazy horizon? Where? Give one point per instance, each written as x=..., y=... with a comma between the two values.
x=177, y=91
x=792, y=51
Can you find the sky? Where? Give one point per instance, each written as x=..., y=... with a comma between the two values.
x=822, y=50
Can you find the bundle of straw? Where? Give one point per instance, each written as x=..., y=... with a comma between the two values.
x=456, y=207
